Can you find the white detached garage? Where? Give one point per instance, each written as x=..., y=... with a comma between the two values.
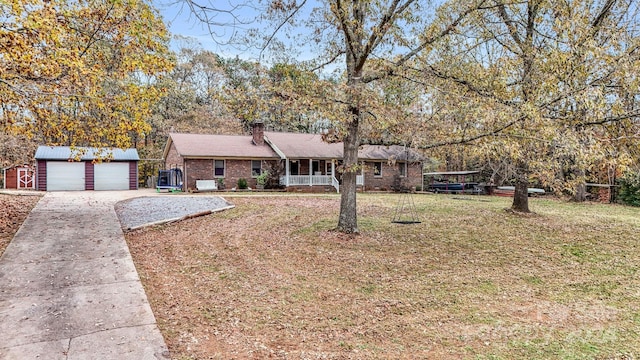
x=59, y=168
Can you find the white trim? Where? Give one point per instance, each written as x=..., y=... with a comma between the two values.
x=275, y=148
x=287, y=173
x=31, y=178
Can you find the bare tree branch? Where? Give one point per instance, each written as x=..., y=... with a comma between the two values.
x=280, y=25
x=380, y=30
x=427, y=42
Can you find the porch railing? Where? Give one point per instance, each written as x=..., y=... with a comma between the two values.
x=335, y=183
x=308, y=180
x=297, y=180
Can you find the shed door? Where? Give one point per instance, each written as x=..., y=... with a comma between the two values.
x=25, y=179
x=111, y=176
x=65, y=175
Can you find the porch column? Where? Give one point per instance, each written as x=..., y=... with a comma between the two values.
x=286, y=175
x=310, y=172
x=333, y=168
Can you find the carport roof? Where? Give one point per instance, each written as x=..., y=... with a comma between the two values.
x=85, y=153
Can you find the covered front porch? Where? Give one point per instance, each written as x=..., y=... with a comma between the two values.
x=310, y=172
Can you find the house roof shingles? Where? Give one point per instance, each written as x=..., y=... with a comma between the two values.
x=382, y=152
x=304, y=146
x=227, y=146
x=291, y=145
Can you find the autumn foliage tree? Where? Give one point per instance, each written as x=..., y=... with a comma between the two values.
x=80, y=72
x=369, y=41
x=190, y=101
x=542, y=81
x=558, y=76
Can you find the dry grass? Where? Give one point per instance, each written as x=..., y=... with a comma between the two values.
x=472, y=281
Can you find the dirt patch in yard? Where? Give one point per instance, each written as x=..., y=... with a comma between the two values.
x=270, y=279
x=14, y=210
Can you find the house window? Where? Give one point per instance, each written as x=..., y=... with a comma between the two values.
x=402, y=168
x=294, y=167
x=218, y=168
x=315, y=164
x=377, y=169
x=256, y=168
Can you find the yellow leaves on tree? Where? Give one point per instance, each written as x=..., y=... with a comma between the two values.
x=81, y=72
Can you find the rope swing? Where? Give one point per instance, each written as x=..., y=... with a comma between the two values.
x=405, y=212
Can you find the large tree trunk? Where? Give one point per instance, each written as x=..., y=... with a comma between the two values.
x=348, y=219
x=355, y=59
x=521, y=197
x=521, y=193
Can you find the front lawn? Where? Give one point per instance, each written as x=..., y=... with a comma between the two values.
x=472, y=281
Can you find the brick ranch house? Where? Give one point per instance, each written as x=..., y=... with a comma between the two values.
x=308, y=163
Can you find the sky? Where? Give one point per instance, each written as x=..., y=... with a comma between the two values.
x=181, y=21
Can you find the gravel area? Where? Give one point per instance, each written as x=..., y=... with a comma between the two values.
x=143, y=211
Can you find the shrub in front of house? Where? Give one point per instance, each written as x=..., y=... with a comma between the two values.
x=242, y=183
x=261, y=179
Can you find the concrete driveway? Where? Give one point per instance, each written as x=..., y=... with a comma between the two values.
x=69, y=288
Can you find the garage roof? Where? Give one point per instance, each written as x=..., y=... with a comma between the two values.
x=85, y=153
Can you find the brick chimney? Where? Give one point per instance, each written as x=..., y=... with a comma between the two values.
x=258, y=133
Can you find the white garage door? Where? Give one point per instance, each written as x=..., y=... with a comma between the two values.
x=65, y=176
x=111, y=176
